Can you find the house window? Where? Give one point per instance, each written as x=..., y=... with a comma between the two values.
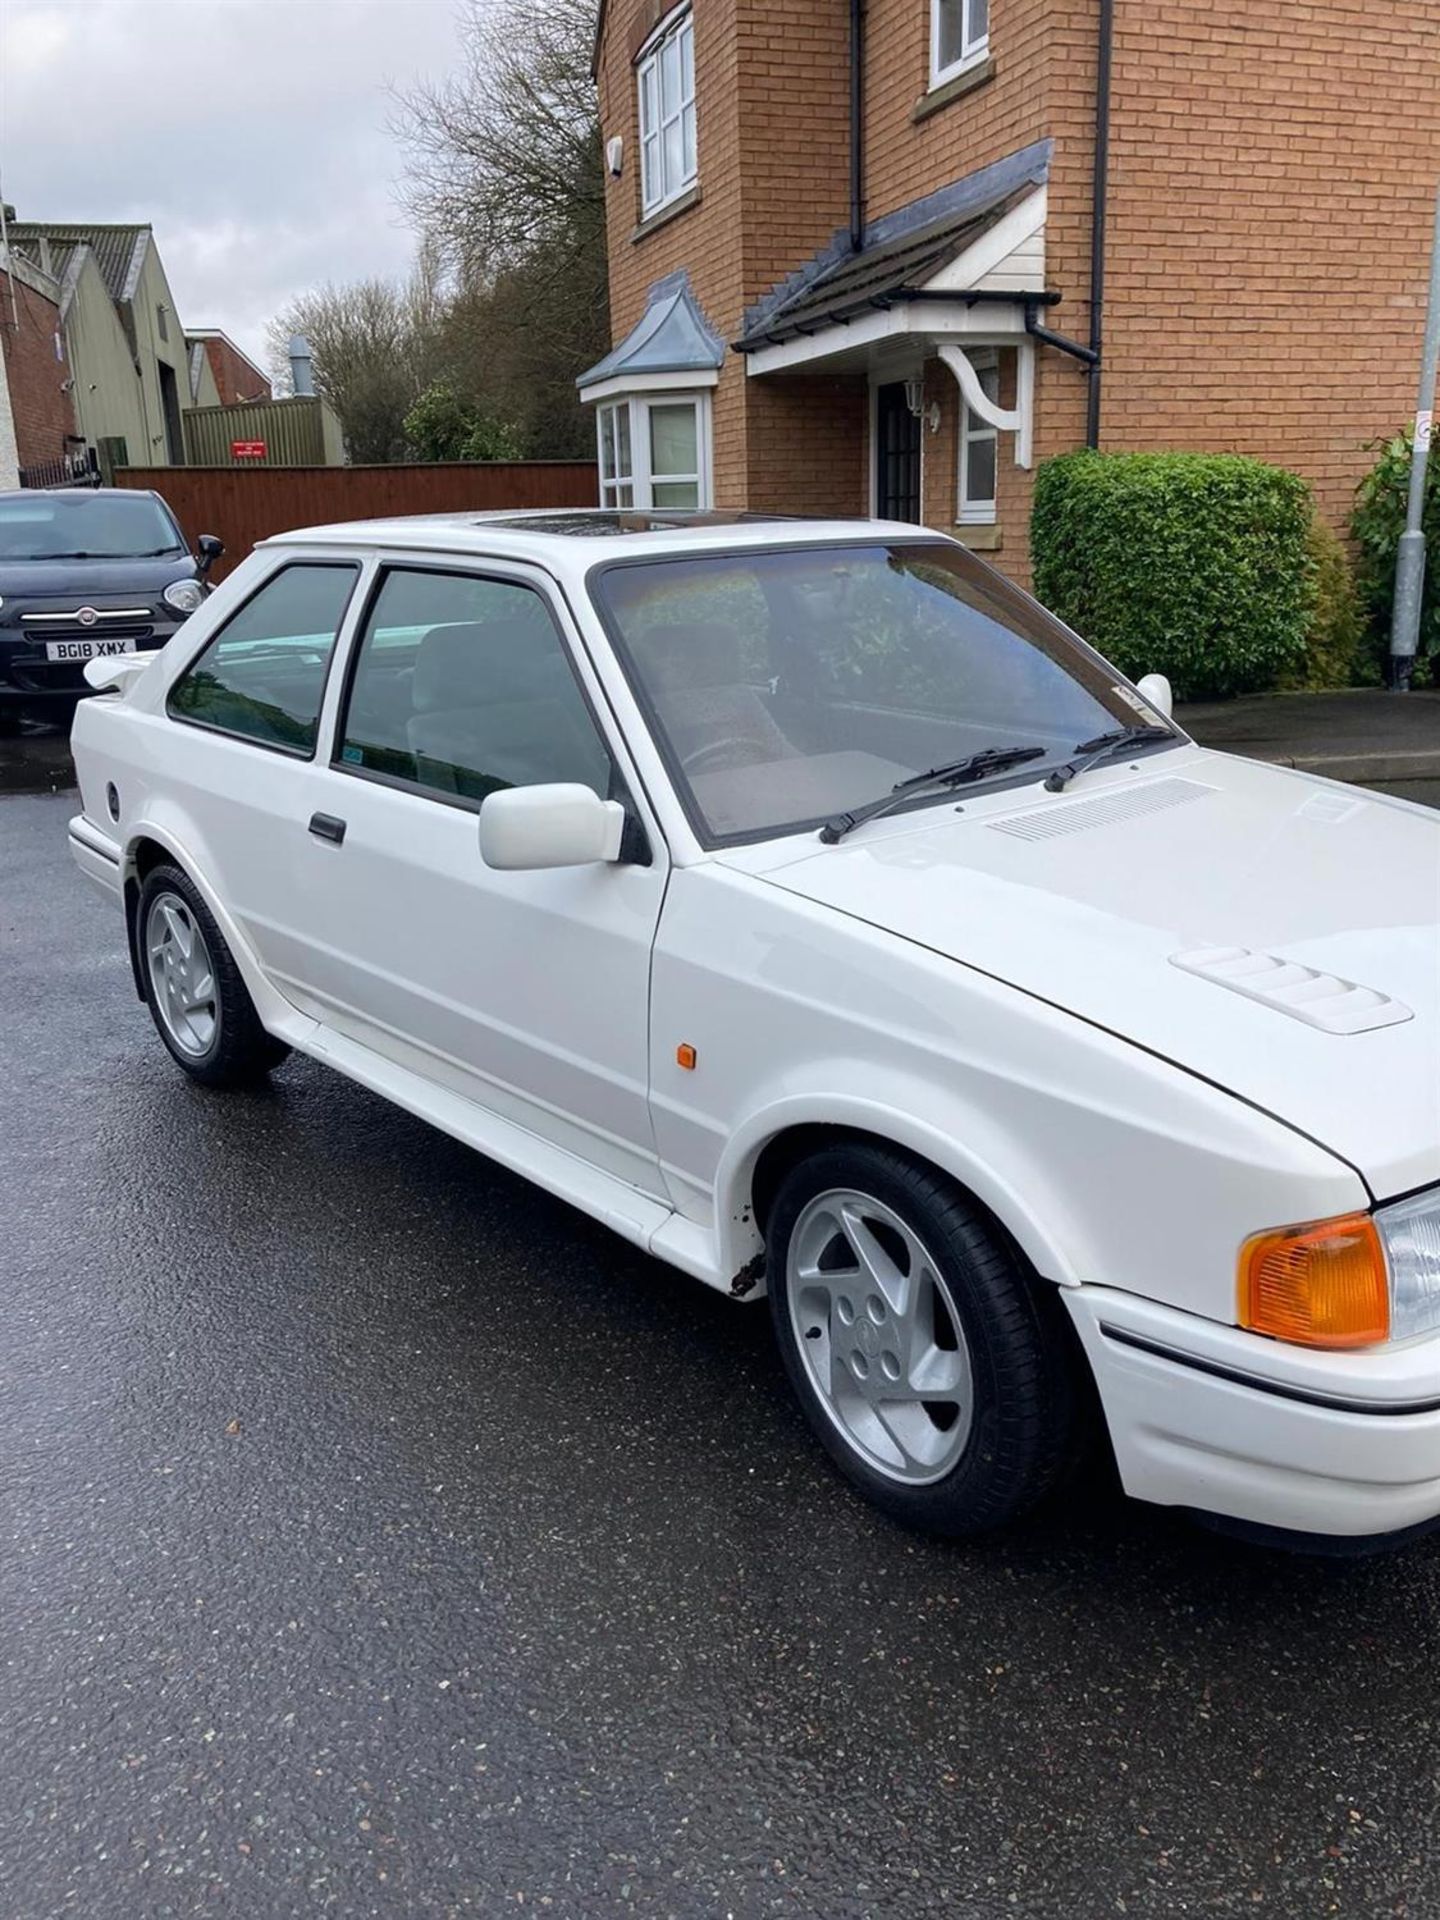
x=978, y=449
x=959, y=37
x=666, y=76
x=617, y=470
x=655, y=451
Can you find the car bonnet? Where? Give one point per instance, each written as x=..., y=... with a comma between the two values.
x=1278, y=935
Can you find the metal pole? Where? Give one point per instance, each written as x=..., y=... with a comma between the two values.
x=1410, y=558
x=1099, y=208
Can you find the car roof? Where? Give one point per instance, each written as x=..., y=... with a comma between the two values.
x=569, y=536
x=85, y=493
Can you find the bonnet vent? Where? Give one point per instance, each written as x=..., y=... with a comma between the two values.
x=1321, y=1000
x=1104, y=810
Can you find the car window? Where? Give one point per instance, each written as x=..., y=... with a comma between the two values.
x=784, y=687
x=462, y=685
x=263, y=675
x=85, y=526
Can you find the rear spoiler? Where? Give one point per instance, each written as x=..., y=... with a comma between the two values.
x=113, y=672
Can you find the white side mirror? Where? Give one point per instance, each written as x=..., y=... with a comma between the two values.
x=524, y=828
x=1156, y=689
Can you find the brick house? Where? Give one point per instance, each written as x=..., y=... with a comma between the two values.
x=37, y=415
x=237, y=379
x=853, y=247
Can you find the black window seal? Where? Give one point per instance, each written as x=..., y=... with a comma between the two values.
x=302, y=754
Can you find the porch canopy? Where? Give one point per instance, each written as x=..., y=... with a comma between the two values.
x=951, y=272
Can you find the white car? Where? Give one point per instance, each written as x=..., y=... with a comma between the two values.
x=807, y=904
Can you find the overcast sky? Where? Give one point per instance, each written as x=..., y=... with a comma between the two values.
x=251, y=134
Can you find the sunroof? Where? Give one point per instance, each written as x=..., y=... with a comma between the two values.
x=604, y=522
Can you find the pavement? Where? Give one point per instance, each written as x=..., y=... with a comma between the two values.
x=1372, y=737
x=383, y=1538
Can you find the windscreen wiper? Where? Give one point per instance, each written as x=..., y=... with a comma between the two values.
x=1103, y=744
x=955, y=774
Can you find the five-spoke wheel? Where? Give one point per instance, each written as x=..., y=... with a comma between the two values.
x=931, y=1361
x=196, y=994
x=880, y=1334
x=182, y=975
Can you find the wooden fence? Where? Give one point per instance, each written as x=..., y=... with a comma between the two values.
x=243, y=507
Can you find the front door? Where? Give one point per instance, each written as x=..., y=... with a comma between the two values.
x=525, y=992
x=897, y=455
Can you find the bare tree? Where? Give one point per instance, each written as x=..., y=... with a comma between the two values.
x=506, y=184
x=375, y=346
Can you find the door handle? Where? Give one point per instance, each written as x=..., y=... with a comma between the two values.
x=326, y=827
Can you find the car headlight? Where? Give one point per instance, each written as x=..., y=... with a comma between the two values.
x=183, y=595
x=1348, y=1282
x=1410, y=1231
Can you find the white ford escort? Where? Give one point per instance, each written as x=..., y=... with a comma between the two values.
x=804, y=902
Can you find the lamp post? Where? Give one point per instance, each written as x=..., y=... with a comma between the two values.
x=1410, y=557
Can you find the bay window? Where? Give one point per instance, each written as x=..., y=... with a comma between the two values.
x=655, y=450
x=665, y=75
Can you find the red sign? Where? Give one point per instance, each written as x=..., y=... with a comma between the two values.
x=248, y=449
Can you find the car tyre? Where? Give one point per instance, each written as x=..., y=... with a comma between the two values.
x=200, y=1004
x=934, y=1366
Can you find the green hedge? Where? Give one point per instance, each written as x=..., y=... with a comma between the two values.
x=1378, y=522
x=1194, y=565
x=1335, y=651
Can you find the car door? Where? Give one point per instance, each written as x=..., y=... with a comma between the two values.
x=527, y=992
x=241, y=724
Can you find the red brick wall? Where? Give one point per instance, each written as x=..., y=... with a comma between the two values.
x=1273, y=178
x=1272, y=173
x=42, y=409
x=236, y=379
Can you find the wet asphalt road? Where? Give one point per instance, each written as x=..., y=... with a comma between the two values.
x=379, y=1537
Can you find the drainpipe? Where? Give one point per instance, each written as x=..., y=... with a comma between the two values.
x=1099, y=202
x=857, y=124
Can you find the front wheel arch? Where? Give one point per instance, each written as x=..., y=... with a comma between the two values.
x=762, y=1152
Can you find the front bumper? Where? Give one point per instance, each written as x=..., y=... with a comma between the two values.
x=1227, y=1422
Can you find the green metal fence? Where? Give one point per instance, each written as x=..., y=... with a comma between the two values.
x=293, y=433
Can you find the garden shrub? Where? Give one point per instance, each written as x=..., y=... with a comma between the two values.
x=1377, y=523
x=1194, y=565
x=1335, y=655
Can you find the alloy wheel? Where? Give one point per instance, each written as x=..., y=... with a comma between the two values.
x=182, y=975
x=882, y=1341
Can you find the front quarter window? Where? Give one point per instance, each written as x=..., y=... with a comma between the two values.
x=784, y=687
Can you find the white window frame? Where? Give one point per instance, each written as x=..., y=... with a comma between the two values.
x=642, y=480
x=974, y=47
x=971, y=512
x=656, y=191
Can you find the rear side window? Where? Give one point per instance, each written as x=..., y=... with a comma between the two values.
x=463, y=685
x=263, y=675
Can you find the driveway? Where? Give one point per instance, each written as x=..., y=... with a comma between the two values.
x=383, y=1538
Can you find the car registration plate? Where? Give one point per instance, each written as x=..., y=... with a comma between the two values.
x=86, y=649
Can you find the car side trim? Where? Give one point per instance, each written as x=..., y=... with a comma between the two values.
x=1309, y=1396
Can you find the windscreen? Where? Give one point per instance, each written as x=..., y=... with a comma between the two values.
x=84, y=526
x=785, y=687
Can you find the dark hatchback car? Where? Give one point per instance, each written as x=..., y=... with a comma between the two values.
x=84, y=572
